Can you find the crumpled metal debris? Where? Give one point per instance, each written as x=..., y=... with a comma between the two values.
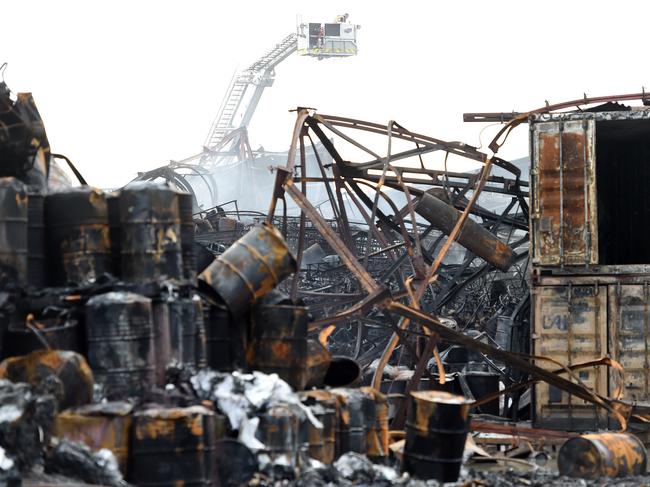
x=242, y=396
x=356, y=467
x=26, y=421
x=78, y=461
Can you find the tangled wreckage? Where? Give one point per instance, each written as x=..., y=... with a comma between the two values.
x=408, y=326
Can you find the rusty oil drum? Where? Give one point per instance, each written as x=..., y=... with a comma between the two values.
x=36, y=239
x=103, y=425
x=320, y=442
x=76, y=224
x=279, y=431
x=114, y=232
x=278, y=342
x=377, y=437
x=356, y=416
x=602, y=455
x=173, y=446
x=436, y=430
x=250, y=268
x=186, y=322
x=225, y=340
x=120, y=337
x=13, y=232
x=150, y=244
x=185, y=213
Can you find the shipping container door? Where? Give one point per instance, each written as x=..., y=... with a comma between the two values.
x=563, y=216
x=628, y=339
x=570, y=324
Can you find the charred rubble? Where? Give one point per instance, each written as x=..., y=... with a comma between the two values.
x=419, y=331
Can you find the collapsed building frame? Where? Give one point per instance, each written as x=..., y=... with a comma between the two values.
x=347, y=179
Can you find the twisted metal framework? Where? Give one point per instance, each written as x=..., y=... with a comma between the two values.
x=416, y=283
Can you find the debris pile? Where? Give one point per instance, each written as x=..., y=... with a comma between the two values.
x=299, y=350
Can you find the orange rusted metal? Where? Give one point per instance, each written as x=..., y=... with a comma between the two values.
x=250, y=268
x=474, y=237
x=377, y=437
x=66, y=372
x=99, y=426
x=563, y=214
x=173, y=447
x=321, y=442
x=318, y=361
x=436, y=430
x=602, y=455
x=278, y=342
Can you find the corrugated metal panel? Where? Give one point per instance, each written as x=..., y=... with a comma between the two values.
x=628, y=339
x=570, y=324
x=563, y=180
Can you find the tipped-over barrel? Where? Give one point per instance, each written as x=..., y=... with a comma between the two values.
x=250, y=268
x=472, y=236
x=602, y=455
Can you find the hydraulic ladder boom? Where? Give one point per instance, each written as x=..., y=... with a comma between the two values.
x=259, y=74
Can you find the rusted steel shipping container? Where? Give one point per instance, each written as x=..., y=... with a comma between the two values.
x=589, y=192
x=570, y=327
x=590, y=249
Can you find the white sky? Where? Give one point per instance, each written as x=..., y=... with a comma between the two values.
x=127, y=86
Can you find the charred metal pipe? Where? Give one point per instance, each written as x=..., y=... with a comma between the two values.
x=602, y=455
x=472, y=236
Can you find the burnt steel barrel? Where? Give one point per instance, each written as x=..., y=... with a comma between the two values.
x=13, y=232
x=120, y=337
x=436, y=430
x=225, y=339
x=320, y=442
x=185, y=212
x=278, y=342
x=113, y=206
x=602, y=455
x=76, y=223
x=377, y=435
x=36, y=239
x=318, y=362
x=172, y=447
x=186, y=322
x=162, y=337
x=473, y=236
x=102, y=425
x=250, y=268
x=356, y=415
x=150, y=244
x=279, y=431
